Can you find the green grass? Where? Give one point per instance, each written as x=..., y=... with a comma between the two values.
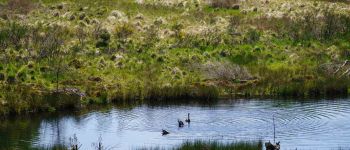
x=212, y=145
x=220, y=146
x=162, y=55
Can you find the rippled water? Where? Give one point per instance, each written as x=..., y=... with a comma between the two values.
x=322, y=124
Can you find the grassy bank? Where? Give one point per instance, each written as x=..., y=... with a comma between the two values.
x=67, y=53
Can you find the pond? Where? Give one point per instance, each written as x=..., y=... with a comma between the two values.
x=321, y=124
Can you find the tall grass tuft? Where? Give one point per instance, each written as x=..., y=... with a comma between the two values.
x=212, y=145
x=221, y=146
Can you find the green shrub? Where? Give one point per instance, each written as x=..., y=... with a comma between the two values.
x=4, y=38
x=104, y=35
x=234, y=23
x=21, y=6
x=252, y=36
x=12, y=34
x=122, y=32
x=2, y=76
x=103, y=39
x=49, y=46
x=102, y=44
x=223, y=3
x=11, y=79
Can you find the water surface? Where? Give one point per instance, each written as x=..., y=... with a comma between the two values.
x=322, y=124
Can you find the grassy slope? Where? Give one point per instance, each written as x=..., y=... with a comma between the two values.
x=163, y=56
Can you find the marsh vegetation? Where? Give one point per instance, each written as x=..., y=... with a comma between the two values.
x=101, y=52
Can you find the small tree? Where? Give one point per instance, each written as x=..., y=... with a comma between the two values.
x=81, y=35
x=51, y=49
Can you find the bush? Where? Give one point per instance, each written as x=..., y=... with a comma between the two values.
x=3, y=38
x=13, y=34
x=104, y=35
x=310, y=26
x=21, y=6
x=81, y=34
x=101, y=44
x=50, y=44
x=252, y=36
x=223, y=3
x=2, y=76
x=234, y=22
x=103, y=38
x=151, y=36
x=225, y=71
x=123, y=32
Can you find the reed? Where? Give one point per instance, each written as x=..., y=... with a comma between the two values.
x=221, y=146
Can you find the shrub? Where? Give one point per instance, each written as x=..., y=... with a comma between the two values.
x=104, y=35
x=103, y=38
x=177, y=28
x=11, y=79
x=81, y=34
x=101, y=44
x=222, y=3
x=252, y=36
x=4, y=38
x=151, y=36
x=50, y=44
x=234, y=22
x=335, y=24
x=2, y=76
x=122, y=33
x=21, y=6
x=224, y=71
x=310, y=26
x=13, y=34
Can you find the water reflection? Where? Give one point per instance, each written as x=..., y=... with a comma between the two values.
x=323, y=124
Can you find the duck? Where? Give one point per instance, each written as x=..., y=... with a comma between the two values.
x=164, y=132
x=271, y=146
x=181, y=124
x=188, y=118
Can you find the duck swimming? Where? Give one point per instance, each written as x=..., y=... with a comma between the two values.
x=164, y=132
x=188, y=118
x=181, y=124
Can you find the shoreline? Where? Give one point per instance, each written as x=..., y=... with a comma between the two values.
x=73, y=99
